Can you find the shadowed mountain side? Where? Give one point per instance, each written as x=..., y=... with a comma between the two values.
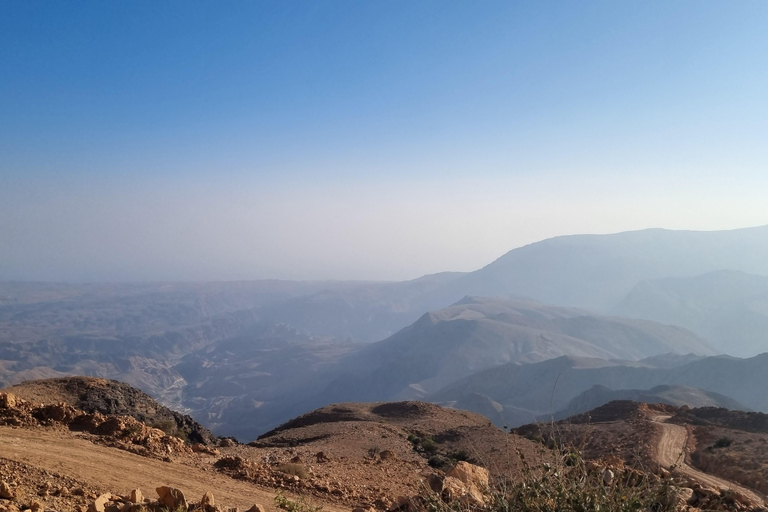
x=547, y=387
x=728, y=308
x=665, y=394
x=479, y=333
x=599, y=270
x=246, y=385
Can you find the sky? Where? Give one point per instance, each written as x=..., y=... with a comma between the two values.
x=185, y=140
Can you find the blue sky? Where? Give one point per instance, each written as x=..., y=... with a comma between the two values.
x=378, y=140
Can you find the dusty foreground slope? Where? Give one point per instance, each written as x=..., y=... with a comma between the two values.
x=101, y=469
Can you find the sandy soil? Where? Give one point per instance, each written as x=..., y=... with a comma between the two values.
x=671, y=451
x=119, y=472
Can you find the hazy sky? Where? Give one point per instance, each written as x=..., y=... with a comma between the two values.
x=367, y=139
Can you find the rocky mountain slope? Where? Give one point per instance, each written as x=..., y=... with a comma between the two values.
x=441, y=347
x=113, y=398
x=532, y=391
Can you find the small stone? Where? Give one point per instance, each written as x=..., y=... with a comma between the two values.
x=137, y=496
x=608, y=476
x=256, y=508
x=6, y=492
x=36, y=506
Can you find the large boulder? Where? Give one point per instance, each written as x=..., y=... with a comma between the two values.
x=470, y=474
x=100, y=503
x=171, y=497
x=7, y=401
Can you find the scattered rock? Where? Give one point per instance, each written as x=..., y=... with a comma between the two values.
x=321, y=457
x=256, y=508
x=608, y=476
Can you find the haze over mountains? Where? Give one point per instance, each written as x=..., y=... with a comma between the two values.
x=567, y=313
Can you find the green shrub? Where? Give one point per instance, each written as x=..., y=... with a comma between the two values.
x=461, y=455
x=438, y=462
x=429, y=446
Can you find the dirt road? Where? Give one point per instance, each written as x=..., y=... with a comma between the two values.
x=671, y=451
x=118, y=471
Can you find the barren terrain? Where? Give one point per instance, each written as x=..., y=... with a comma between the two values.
x=117, y=471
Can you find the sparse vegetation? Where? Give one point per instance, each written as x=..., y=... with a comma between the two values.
x=295, y=505
x=723, y=442
x=569, y=485
x=461, y=455
x=439, y=462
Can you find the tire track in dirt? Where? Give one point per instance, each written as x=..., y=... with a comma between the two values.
x=119, y=471
x=671, y=452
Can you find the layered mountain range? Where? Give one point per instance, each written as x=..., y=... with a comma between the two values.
x=527, y=336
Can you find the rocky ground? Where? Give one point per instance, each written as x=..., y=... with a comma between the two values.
x=350, y=455
x=55, y=456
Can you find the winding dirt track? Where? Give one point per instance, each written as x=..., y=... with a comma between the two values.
x=119, y=471
x=671, y=451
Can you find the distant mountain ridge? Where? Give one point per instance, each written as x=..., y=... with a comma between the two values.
x=598, y=271
x=675, y=395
